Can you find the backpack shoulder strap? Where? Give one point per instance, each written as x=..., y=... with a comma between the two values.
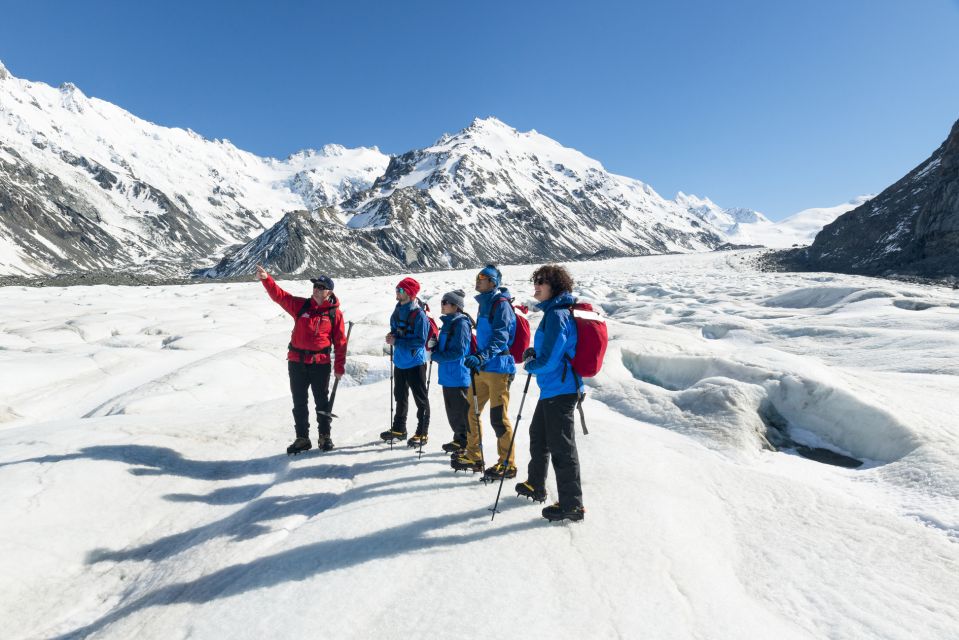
x=499, y=298
x=304, y=308
x=332, y=314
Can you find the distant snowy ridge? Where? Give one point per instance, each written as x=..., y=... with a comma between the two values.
x=749, y=227
x=723, y=219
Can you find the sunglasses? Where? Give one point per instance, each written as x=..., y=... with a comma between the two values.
x=448, y=303
x=320, y=287
x=399, y=289
x=540, y=281
x=481, y=277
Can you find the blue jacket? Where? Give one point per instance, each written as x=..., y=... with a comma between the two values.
x=453, y=345
x=409, y=350
x=493, y=338
x=555, y=341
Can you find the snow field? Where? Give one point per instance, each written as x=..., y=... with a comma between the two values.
x=146, y=493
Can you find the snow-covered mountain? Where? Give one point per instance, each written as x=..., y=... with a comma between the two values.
x=486, y=193
x=85, y=185
x=749, y=227
x=726, y=220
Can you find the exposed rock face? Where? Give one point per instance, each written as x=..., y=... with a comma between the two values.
x=910, y=229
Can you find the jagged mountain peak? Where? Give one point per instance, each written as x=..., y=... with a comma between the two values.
x=326, y=151
x=692, y=200
x=332, y=150
x=490, y=124
x=725, y=219
x=492, y=144
x=491, y=134
x=478, y=129
x=4, y=74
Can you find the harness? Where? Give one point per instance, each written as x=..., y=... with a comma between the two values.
x=407, y=325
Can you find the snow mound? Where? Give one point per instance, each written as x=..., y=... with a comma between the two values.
x=822, y=297
x=715, y=386
x=913, y=305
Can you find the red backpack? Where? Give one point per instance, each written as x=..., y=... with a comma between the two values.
x=433, y=330
x=591, y=340
x=521, y=337
x=474, y=348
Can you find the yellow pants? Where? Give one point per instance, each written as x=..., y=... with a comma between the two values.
x=492, y=388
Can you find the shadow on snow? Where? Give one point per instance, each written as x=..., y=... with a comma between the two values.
x=292, y=565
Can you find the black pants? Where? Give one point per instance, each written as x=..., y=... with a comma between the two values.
x=457, y=404
x=310, y=376
x=404, y=381
x=552, y=433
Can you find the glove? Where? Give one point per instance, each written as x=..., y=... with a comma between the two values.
x=431, y=343
x=529, y=354
x=472, y=363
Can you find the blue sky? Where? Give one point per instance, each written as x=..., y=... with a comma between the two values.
x=776, y=106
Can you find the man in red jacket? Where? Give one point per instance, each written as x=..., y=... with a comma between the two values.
x=318, y=331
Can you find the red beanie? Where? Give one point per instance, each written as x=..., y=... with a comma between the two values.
x=410, y=286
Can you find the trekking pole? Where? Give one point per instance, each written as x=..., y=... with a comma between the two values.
x=391, y=394
x=479, y=427
x=580, y=396
x=336, y=381
x=519, y=416
x=582, y=415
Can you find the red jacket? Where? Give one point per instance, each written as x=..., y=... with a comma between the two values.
x=314, y=330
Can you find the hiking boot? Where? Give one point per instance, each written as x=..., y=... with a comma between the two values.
x=299, y=445
x=324, y=442
x=389, y=436
x=555, y=513
x=500, y=470
x=453, y=447
x=527, y=490
x=417, y=440
x=462, y=462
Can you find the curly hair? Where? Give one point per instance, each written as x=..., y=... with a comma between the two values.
x=556, y=276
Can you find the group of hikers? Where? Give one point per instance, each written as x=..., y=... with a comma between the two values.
x=477, y=362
